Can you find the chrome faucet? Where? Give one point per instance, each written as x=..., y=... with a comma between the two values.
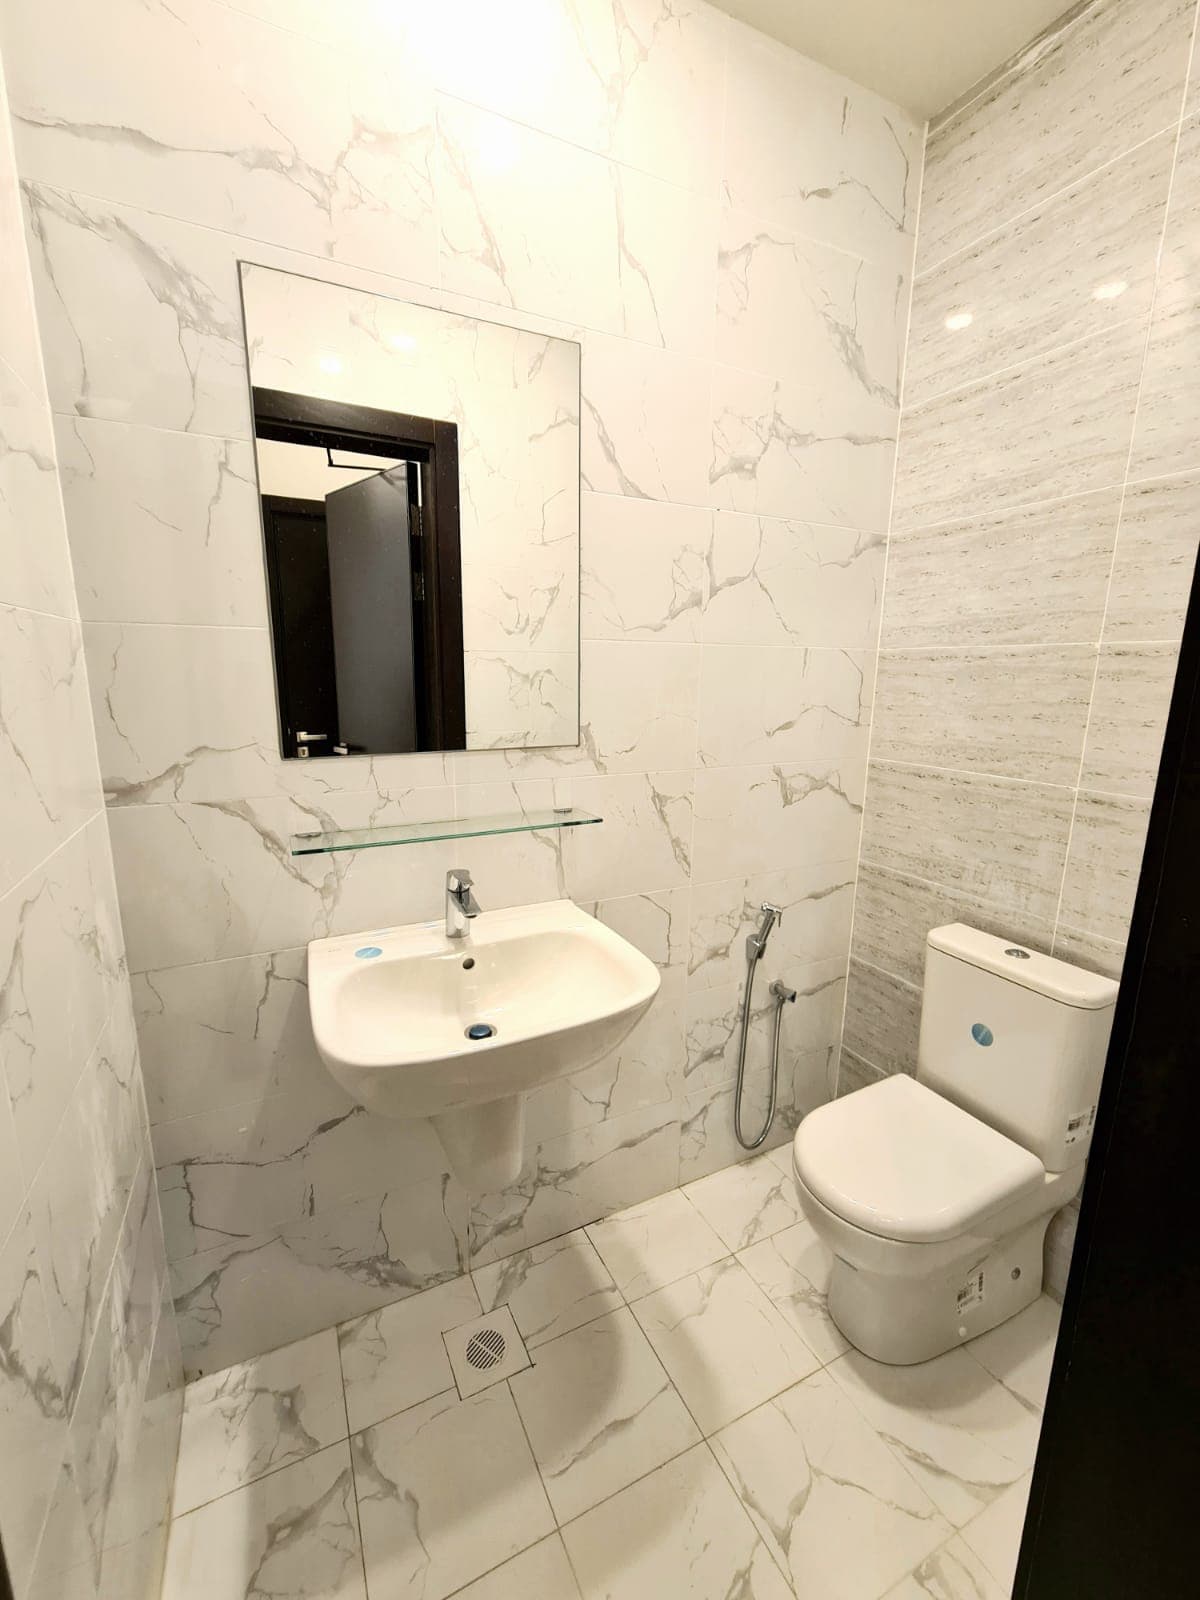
x=461, y=904
x=756, y=943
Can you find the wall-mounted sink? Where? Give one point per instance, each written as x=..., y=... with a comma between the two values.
x=414, y=1024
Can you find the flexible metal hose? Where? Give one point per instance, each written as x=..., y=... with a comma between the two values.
x=782, y=994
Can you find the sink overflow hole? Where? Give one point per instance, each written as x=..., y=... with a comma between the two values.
x=485, y=1348
x=468, y=963
x=480, y=1030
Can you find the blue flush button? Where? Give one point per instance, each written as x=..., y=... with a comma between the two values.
x=367, y=952
x=981, y=1034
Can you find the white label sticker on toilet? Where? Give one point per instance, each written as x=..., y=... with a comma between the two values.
x=971, y=1293
x=1079, y=1127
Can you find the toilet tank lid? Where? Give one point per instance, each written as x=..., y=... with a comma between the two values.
x=1008, y=958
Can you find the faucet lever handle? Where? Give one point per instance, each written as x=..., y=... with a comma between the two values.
x=458, y=878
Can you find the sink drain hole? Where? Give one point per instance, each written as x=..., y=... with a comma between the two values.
x=485, y=1349
x=480, y=1030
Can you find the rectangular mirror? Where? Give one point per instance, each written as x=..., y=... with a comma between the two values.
x=418, y=473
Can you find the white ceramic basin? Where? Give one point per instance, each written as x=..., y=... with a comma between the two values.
x=391, y=1009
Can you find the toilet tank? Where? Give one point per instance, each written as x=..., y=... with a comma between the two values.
x=1016, y=1038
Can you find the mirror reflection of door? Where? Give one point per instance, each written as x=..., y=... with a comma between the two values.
x=360, y=521
x=369, y=532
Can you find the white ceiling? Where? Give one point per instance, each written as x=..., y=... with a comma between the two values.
x=922, y=54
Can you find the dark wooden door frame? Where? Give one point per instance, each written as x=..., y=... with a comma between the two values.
x=1112, y=1508
x=368, y=430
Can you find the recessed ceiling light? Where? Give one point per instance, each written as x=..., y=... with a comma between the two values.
x=1111, y=290
x=957, y=320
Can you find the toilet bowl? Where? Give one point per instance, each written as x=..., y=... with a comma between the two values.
x=934, y=1192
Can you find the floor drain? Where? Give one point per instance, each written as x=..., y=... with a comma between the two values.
x=485, y=1348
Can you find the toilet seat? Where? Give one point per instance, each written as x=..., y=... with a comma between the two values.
x=899, y=1161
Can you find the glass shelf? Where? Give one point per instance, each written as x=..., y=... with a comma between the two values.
x=314, y=844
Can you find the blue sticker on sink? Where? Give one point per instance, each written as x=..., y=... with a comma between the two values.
x=368, y=951
x=982, y=1034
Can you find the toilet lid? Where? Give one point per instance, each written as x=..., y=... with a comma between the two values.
x=898, y=1160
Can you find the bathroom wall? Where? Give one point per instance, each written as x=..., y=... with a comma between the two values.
x=727, y=228
x=89, y=1364
x=1046, y=516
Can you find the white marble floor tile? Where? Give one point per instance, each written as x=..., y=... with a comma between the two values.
x=793, y=1269
x=959, y=1432
x=995, y=1534
x=840, y=1513
x=294, y=1533
x=395, y=1357
x=654, y=1243
x=539, y=1573
x=748, y=1202
x=599, y=1411
x=253, y=1418
x=680, y=1532
x=485, y=1351
x=446, y=1491
x=954, y=1572
x=724, y=1345
x=551, y=1288
x=1019, y=1353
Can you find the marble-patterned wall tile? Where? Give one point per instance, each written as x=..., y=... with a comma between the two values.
x=773, y=581
x=1155, y=560
x=657, y=924
x=794, y=308
x=34, y=572
x=1081, y=94
x=574, y=1179
x=164, y=526
x=645, y=422
x=1071, y=267
x=33, y=1416
x=1056, y=426
x=257, y=1293
x=1002, y=840
x=640, y=705
x=760, y=819
x=782, y=448
x=812, y=1021
x=251, y=1168
x=771, y=703
x=636, y=82
x=894, y=912
x=1165, y=438
x=817, y=903
x=646, y=843
x=47, y=750
x=138, y=315
x=1019, y=713
x=1129, y=713
x=78, y=1199
x=328, y=153
x=59, y=934
x=645, y=569
x=1100, y=882
x=1033, y=575
x=531, y=221
x=812, y=152
x=883, y=1019
x=1090, y=950
x=223, y=1033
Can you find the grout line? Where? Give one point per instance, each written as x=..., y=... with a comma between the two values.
x=362, y=1555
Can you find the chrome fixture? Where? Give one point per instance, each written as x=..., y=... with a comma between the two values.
x=756, y=944
x=461, y=904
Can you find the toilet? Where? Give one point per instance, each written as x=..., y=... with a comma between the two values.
x=934, y=1193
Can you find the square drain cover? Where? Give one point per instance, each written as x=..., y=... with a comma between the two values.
x=485, y=1351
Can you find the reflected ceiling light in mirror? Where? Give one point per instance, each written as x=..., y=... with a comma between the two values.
x=331, y=364
x=402, y=341
x=1112, y=290
x=958, y=320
